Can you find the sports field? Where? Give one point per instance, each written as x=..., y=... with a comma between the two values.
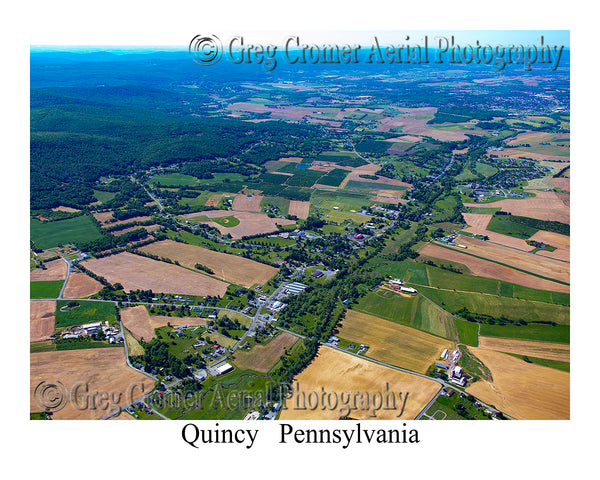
x=393, y=343
x=340, y=375
x=230, y=268
x=135, y=272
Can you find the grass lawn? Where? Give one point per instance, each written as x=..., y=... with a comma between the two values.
x=86, y=312
x=45, y=289
x=174, y=180
x=72, y=230
x=104, y=197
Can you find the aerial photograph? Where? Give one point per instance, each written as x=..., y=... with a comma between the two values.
x=295, y=228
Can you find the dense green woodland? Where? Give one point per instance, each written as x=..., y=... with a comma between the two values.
x=74, y=142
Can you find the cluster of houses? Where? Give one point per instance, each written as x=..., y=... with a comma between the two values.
x=271, y=415
x=112, y=334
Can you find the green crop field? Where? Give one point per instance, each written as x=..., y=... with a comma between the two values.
x=421, y=274
x=72, y=230
x=86, y=312
x=174, y=180
x=539, y=332
x=339, y=217
x=356, y=185
x=45, y=289
x=199, y=201
x=503, y=224
x=304, y=178
x=334, y=178
x=104, y=197
x=337, y=157
x=467, y=332
x=496, y=306
x=345, y=201
x=273, y=178
x=544, y=362
x=414, y=311
x=373, y=146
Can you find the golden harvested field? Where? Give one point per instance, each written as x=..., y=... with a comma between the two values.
x=561, y=242
x=544, y=206
x=251, y=223
x=385, y=199
x=393, y=343
x=245, y=203
x=532, y=263
x=55, y=270
x=564, y=183
x=523, y=390
x=140, y=273
x=342, y=376
x=103, y=217
x=103, y=369
x=531, y=138
x=261, y=358
x=478, y=225
x=80, y=285
x=531, y=348
x=231, y=268
x=41, y=319
x=299, y=208
x=483, y=268
x=141, y=324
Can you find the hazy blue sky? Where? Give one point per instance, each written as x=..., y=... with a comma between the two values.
x=363, y=37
